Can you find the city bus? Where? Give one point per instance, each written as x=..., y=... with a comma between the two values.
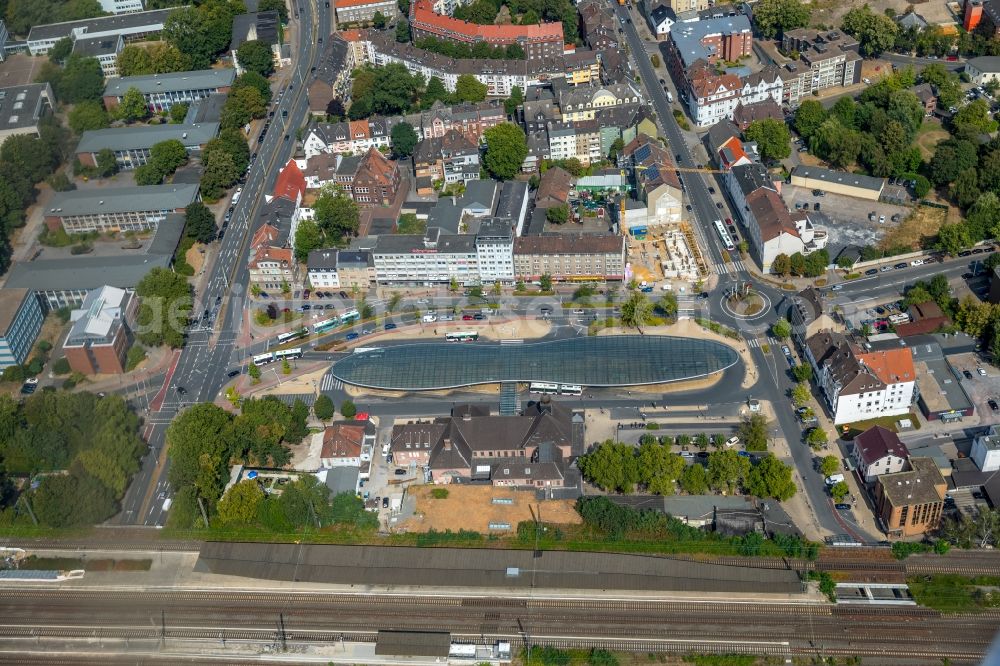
x=462, y=336
x=293, y=335
x=263, y=359
x=325, y=325
x=570, y=389
x=288, y=354
x=727, y=240
x=543, y=388
x=350, y=317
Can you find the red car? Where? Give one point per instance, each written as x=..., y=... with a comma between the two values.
x=466, y=317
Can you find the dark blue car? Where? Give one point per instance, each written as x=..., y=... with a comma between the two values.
x=389, y=327
x=352, y=336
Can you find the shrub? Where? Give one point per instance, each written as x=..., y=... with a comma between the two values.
x=348, y=409
x=439, y=493
x=61, y=366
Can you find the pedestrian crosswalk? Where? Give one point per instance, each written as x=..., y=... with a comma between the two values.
x=731, y=267
x=757, y=343
x=330, y=383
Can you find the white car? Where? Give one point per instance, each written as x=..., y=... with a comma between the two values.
x=866, y=81
x=885, y=269
x=732, y=441
x=982, y=373
x=881, y=219
x=578, y=311
x=917, y=262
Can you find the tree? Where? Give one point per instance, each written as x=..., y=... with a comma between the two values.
x=515, y=100
x=816, y=438
x=148, y=174
x=469, y=89
x=667, y=305
x=801, y=394
x=107, y=163
x=254, y=371
x=323, y=407
x=636, y=311
x=29, y=156
x=753, y=433
x=133, y=106
x=403, y=31
x=545, y=282
x=81, y=79
x=803, y=372
x=274, y=5
x=219, y=171
x=88, y=116
x=950, y=158
x=168, y=155
x=781, y=265
x=557, y=214
x=875, y=32
x=808, y=118
x=774, y=17
x=974, y=117
x=241, y=107
x=336, y=214
x=165, y=301
x=308, y=237
x=178, y=112
x=694, y=480
x=379, y=21
x=255, y=81
x=61, y=50
x=201, y=32
x=134, y=60
x=727, y=470
x=199, y=222
x=348, y=409
x=771, y=478
x=254, y=55
x=506, y=148
x=614, y=467
x=829, y=465
x=839, y=491
x=772, y=137
x=240, y=505
x=781, y=329
x=403, y=140
x=435, y=92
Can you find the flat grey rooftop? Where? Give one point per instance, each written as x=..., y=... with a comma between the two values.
x=117, y=22
x=485, y=568
x=145, y=136
x=95, y=201
x=202, y=79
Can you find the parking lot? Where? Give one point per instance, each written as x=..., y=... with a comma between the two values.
x=981, y=382
x=846, y=219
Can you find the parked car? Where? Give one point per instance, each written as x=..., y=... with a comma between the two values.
x=343, y=294
x=388, y=327
x=886, y=269
x=843, y=507
x=901, y=265
x=385, y=502
x=917, y=262
x=467, y=317
x=399, y=471
x=479, y=316
x=993, y=405
x=871, y=271
x=233, y=373
x=881, y=219
x=967, y=374
x=982, y=373
x=351, y=336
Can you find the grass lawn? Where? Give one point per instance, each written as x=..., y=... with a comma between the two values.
x=951, y=593
x=887, y=422
x=928, y=136
x=924, y=222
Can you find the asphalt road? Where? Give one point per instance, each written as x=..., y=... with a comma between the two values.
x=202, y=364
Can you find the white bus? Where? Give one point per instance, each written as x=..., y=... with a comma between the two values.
x=293, y=335
x=288, y=353
x=544, y=388
x=326, y=325
x=570, y=389
x=462, y=336
x=263, y=359
x=724, y=236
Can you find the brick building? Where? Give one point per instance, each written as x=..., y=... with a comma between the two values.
x=371, y=180
x=910, y=503
x=99, y=339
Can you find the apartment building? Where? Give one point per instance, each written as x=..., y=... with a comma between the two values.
x=271, y=268
x=121, y=6
x=711, y=96
x=104, y=49
x=162, y=91
x=598, y=25
x=117, y=208
x=340, y=269
x=774, y=230
x=21, y=318
x=570, y=257
x=580, y=140
x=360, y=11
x=101, y=333
x=371, y=179
x=538, y=40
x=332, y=78
x=655, y=175
x=859, y=385
x=728, y=38
x=23, y=107
x=354, y=136
x=826, y=59
x=131, y=145
x=878, y=451
x=451, y=158
x=495, y=250
x=131, y=27
x=584, y=101
x=910, y=503
x=434, y=258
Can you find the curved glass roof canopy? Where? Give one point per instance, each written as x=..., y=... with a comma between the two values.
x=628, y=360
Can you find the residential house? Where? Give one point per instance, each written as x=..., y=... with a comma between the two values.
x=21, y=318
x=660, y=20
x=582, y=102
x=711, y=97
x=538, y=40
x=878, y=451
x=449, y=159
x=101, y=333
x=340, y=269
x=23, y=107
x=580, y=139
x=773, y=230
x=131, y=145
x=162, y=91
x=256, y=26
x=320, y=169
x=273, y=268
x=858, y=385
x=532, y=450
x=925, y=93
x=352, y=137
x=371, y=180
x=911, y=20
x=332, y=78
x=744, y=114
x=347, y=444
x=117, y=208
x=554, y=187
x=566, y=256
x=910, y=503
x=656, y=179
x=983, y=69
x=743, y=178
x=538, y=151
x=598, y=25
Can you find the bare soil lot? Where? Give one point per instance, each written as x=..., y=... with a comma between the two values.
x=921, y=224
x=472, y=508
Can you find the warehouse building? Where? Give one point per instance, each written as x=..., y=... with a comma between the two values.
x=838, y=182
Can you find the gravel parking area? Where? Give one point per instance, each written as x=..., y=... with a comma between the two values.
x=844, y=218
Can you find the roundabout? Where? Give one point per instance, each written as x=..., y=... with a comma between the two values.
x=603, y=361
x=746, y=304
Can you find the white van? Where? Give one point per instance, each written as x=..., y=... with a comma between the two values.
x=732, y=441
x=834, y=479
x=429, y=318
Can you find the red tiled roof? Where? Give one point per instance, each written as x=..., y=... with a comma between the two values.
x=291, y=184
x=892, y=366
x=343, y=440
x=282, y=255
x=423, y=13
x=351, y=35
x=266, y=234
